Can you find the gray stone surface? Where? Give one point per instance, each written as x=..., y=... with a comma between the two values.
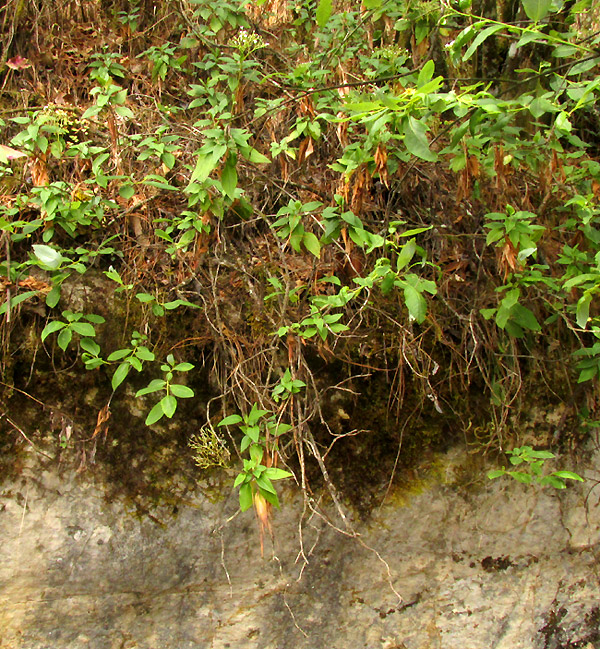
x=499, y=565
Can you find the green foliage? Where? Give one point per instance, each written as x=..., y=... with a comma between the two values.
x=104, y=68
x=215, y=17
x=74, y=323
x=534, y=462
x=401, y=137
x=127, y=358
x=163, y=60
x=181, y=232
x=517, y=228
x=289, y=226
x=160, y=146
x=318, y=322
x=167, y=405
x=256, y=477
x=287, y=386
x=512, y=316
x=46, y=131
x=160, y=308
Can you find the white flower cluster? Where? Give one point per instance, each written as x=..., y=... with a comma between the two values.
x=246, y=41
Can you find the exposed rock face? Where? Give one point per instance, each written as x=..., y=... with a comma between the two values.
x=503, y=566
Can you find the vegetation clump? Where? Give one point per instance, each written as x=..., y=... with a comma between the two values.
x=310, y=201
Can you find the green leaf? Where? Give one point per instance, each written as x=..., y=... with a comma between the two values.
x=568, y=475
x=154, y=386
x=497, y=473
x=265, y=484
x=536, y=10
x=17, y=300
x=415, y=140
x=155, y=414
x=181, y=391
x=206, y=163
x=525, y=318
x=154, y=180
x=241, y=477
x=183, y=367
x=120, y=375
x=48, y=256
x=273, y=473
x=88, y=345
x=281, y=429
x=92, y=317
x=255, y=414
x=118, y=355
x=245, y=496
x=124, y=111
x=253, y=432
x=553, y=481
x=502, y=319
x=229, y=177
x=412, y=232
x=415, y=303
x=520, y=476
x=426, y=73
x=172, y=305
x=126, y=191
x=588, y=374
x=92, y=111
x=564, y=51
x=481, y=36
x=135, y=363
x=83, y=329
x=144, y=353
x=256, y=453
x=91, y=363
x=177, y=303
x=51, y=327
x=64, y=338
x=230, y=420
x=270, y=497
x=323, y=12
x=583, y=309
x=168, y=404
x=538, y=455
x=406, y=254
x=562, y=123
x=311, y=243
x=257, y=157
x=53, y=297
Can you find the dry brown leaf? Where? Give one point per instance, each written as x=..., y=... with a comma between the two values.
x=39, y=172
x=33, y=284
x=508, y=259
x=285, y=166
x=305, y=150
x=263, y=515
x=342, y=130
x=361, y=184
x=343, y=188
x=381, y=157
x=102, y=422
x=307, y=107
